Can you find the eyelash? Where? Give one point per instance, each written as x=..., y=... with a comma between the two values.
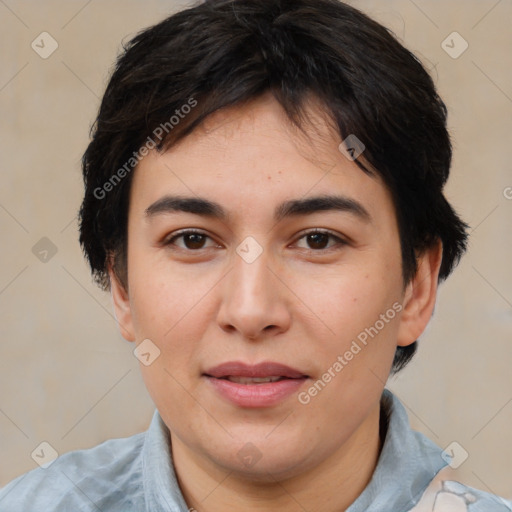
x=180, y=234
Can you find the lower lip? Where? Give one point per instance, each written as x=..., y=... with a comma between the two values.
x=256, y=395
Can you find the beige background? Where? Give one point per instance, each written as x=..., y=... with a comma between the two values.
x=66, y=375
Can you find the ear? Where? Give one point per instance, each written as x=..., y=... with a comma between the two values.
x=420, y=296
x=122, y=305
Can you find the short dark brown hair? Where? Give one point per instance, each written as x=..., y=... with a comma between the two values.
x=223, y=53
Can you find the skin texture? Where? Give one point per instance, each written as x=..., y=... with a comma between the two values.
x=298, y=303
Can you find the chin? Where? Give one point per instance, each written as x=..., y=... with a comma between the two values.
x=266, y=464
x=267, y=473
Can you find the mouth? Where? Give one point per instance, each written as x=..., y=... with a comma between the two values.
x=261, y=385
x=252, y=380
x=267, y=371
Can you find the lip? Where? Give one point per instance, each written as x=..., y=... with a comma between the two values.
x=264, y=369
x=255, y=395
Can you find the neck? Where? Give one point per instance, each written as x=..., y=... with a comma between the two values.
x=331, y=486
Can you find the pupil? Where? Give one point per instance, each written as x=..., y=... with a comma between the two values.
x=194, y=241
x=316, y=238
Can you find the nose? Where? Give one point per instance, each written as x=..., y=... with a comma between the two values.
x=255, y=301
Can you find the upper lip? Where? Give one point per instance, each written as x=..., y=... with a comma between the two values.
x=264, y=369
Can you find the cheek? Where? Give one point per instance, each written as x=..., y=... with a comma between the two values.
x=347, y=300
x=356, y=318
x=170, y=312
x=163, y=295
x=172, y=307
x=164, y=313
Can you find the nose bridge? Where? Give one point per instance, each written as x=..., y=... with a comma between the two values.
x=252, y=299
x=251, y=278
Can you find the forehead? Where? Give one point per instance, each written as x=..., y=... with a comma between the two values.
x=252, y=156
x=262, y=127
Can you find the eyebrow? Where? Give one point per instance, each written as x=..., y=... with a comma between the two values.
x=296, y=207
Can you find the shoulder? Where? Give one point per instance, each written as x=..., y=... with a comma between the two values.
x=445, y=495
x=474, y=500
x=105, y=477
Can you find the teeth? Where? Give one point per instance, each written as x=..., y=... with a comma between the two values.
x=252, y=380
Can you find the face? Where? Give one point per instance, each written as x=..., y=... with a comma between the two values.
x=265, y=276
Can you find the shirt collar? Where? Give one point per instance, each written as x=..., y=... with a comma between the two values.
x=161, y=487
x=407, y=464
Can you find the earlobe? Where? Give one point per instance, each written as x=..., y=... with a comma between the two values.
x=122, y=306
x=420, y=296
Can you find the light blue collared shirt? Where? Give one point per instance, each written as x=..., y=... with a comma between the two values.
x=136, y=474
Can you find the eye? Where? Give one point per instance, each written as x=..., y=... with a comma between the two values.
x=192, y=240
x=318, y=240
